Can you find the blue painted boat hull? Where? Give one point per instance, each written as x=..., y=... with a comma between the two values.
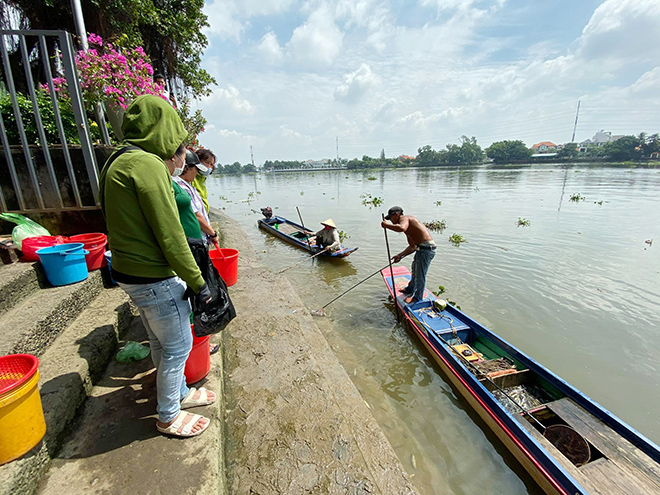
x=296, y=234
x=442, y=331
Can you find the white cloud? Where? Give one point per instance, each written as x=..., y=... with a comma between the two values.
x=263, y=7
x=426, y=79
x=623, y=31
x=318, y=41
x=230, y=99
x=355, y=85
x=222, y=20
x=270, y=48
x=648, y=84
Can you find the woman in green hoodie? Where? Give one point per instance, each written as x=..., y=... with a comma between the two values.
x=151, y=259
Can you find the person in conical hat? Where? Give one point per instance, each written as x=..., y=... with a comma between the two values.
x=328, y=237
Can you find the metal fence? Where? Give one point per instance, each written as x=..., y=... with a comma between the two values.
x=38, y=175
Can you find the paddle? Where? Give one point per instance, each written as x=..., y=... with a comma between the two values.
x=389, y=258
x=321, y=312
x=303, y=226
x=306, y=259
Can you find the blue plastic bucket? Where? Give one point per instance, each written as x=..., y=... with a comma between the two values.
x=64, y=263
x=108, y=259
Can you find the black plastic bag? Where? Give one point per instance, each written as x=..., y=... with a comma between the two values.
x=211, y=317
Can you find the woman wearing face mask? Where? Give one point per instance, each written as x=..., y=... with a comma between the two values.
x=150, y=253
x=192, y=167
x=208, y=160
x=183, y=200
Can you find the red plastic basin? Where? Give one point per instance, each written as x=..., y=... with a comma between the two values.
x=94, y=243
x=198, y=364
x=32, y=244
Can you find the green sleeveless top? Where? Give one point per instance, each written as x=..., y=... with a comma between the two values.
x=187, y=216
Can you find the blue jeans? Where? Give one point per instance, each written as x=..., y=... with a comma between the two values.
x=166, y=316
x=419, y=268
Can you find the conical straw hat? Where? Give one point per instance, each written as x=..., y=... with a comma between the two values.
x=329, y=223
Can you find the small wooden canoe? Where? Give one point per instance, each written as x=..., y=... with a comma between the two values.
x=565, y=440
x=297, y=235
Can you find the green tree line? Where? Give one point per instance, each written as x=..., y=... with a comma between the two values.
x=626, y=148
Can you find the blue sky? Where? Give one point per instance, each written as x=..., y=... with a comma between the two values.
x=293, y=77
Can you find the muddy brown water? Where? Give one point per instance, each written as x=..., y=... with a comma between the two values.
x=578, y=290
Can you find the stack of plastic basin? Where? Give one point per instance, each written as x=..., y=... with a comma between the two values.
x=108, y=261
x=226, y=262
x=94, y=243
x=198, y=364
x=64, y=263
x=31, y=245
x=22, y=424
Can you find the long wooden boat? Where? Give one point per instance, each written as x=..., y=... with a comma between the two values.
x=299, y=236
x=566, y=441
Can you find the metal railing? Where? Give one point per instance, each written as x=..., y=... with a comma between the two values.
x=45, y=184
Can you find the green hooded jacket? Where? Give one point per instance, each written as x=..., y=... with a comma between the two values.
x=137, y=199
x=199, y=183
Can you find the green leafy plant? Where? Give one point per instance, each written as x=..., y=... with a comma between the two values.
x=438, y=203
x=194, y=122
x=371, y=201
x=343, y=236
x=47, y=118
x=436, y=225
x=453, y=303
x=441, y=290
x=371, y=177
x=457, y=239
x=576, y=198
x=523, y=222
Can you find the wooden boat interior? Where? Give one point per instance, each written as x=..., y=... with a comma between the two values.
x=591, y=451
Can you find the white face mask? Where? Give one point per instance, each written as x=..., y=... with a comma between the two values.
x=177, y=171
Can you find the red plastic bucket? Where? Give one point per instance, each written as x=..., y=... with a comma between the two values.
x=32, y=244
x=95, y=244
x=226, y=262
x=198, y=364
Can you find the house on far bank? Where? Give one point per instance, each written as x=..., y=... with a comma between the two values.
x=544, y=147
x=325, y=163
x=599, y=139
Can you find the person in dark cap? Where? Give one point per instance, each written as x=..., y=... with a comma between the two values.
x=420, y=242
x=194, y=166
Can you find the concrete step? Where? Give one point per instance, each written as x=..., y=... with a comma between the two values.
x=18, y=281
x=68, y=369
x=34, y=323
x=115, y=448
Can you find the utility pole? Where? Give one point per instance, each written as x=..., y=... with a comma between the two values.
x=251, y=156
x=337, y=150
x=577, y=114
x=82, y=34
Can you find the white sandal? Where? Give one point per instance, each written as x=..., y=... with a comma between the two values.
x=202, y=400
x=173, y=429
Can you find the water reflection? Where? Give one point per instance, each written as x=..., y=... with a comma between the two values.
x=333, y=271
x=569, y=290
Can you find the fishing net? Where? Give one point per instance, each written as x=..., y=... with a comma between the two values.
x=494, y=367
x=570, y=443
x=526, y=396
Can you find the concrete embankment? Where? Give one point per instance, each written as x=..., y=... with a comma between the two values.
x=288, y=420
x=295, y=423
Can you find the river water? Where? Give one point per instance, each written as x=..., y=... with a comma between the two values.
x=578, y=290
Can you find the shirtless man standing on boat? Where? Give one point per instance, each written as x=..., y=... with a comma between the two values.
x=420, y=242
